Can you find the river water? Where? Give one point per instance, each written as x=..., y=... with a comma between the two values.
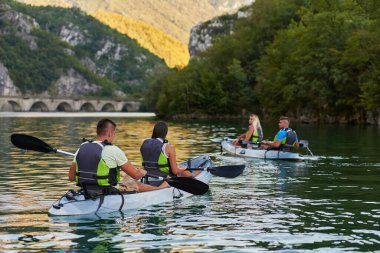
x=330, y=202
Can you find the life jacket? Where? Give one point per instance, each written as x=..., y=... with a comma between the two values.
x=290, y=139
x=153, y=158
x=257, y=135
x=91, y=169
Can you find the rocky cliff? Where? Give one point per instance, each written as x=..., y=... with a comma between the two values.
x=23, y=25
x=72, y=83
x=202, y=35
x=7, y=88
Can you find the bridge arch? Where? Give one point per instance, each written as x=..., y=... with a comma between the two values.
x=11, y=106
x=64, y=107
x=127, y=107
x=87, y=107
x=108, y=107
x=39, y=107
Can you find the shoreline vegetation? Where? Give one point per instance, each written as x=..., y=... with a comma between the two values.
x=368, y=119
x=314, y=61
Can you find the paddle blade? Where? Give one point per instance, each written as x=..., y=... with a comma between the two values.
x=229, y=171
x=188, y=184
x=28, y=142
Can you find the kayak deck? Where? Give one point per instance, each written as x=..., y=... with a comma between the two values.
x=258, y=153
x=74, y=203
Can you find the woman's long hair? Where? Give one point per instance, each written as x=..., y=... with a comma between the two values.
x=160, y=130
x=256, y=123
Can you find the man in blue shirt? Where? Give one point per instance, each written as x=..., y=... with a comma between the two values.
x=285, y=137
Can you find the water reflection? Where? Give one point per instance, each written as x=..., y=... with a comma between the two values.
x=331, y=203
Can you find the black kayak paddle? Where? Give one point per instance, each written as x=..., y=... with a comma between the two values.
x=29, y=142
x=187, y=184
x=229, y=171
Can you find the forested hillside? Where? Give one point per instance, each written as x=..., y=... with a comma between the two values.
x=39, y=46
x=317, y=60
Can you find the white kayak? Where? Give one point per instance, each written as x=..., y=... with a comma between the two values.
x=257, y=153
x=76, y=204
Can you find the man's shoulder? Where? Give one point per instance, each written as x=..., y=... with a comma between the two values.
x=112, y=148
x=114, y=156
x=281, y=134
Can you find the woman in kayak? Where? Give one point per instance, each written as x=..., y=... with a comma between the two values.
x=97, y=164
x=254, y=133
x=159, y=156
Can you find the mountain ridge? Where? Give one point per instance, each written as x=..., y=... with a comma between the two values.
x=175, y=18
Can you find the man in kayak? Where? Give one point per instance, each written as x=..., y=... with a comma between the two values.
x=96, y=165
x=254, y=133
x=159, y=155
x=285, y=137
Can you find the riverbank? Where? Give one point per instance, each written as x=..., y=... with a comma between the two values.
x=367, y=118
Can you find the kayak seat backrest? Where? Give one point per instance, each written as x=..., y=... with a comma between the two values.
x=204, y=162
x=197, y=162
x=93, y=191
x=155, y=182
x=286, y=147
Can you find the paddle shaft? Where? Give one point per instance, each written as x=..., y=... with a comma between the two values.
x=64, y=152
x=202, y=169
x=156, y=177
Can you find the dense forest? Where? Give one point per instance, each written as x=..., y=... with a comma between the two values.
x=319, y=58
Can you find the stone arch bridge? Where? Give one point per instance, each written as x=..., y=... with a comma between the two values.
x=38, y=104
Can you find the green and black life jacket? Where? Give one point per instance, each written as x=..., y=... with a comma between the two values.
x=290, y=139
x=257, y=135
x=153, y=157
x=92, y=169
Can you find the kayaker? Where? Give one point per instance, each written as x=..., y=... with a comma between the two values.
x=96, y=165
x=159, y=156
x=254, y=133
x=285, y=137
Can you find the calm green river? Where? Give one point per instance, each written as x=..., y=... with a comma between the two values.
x=328, y=203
